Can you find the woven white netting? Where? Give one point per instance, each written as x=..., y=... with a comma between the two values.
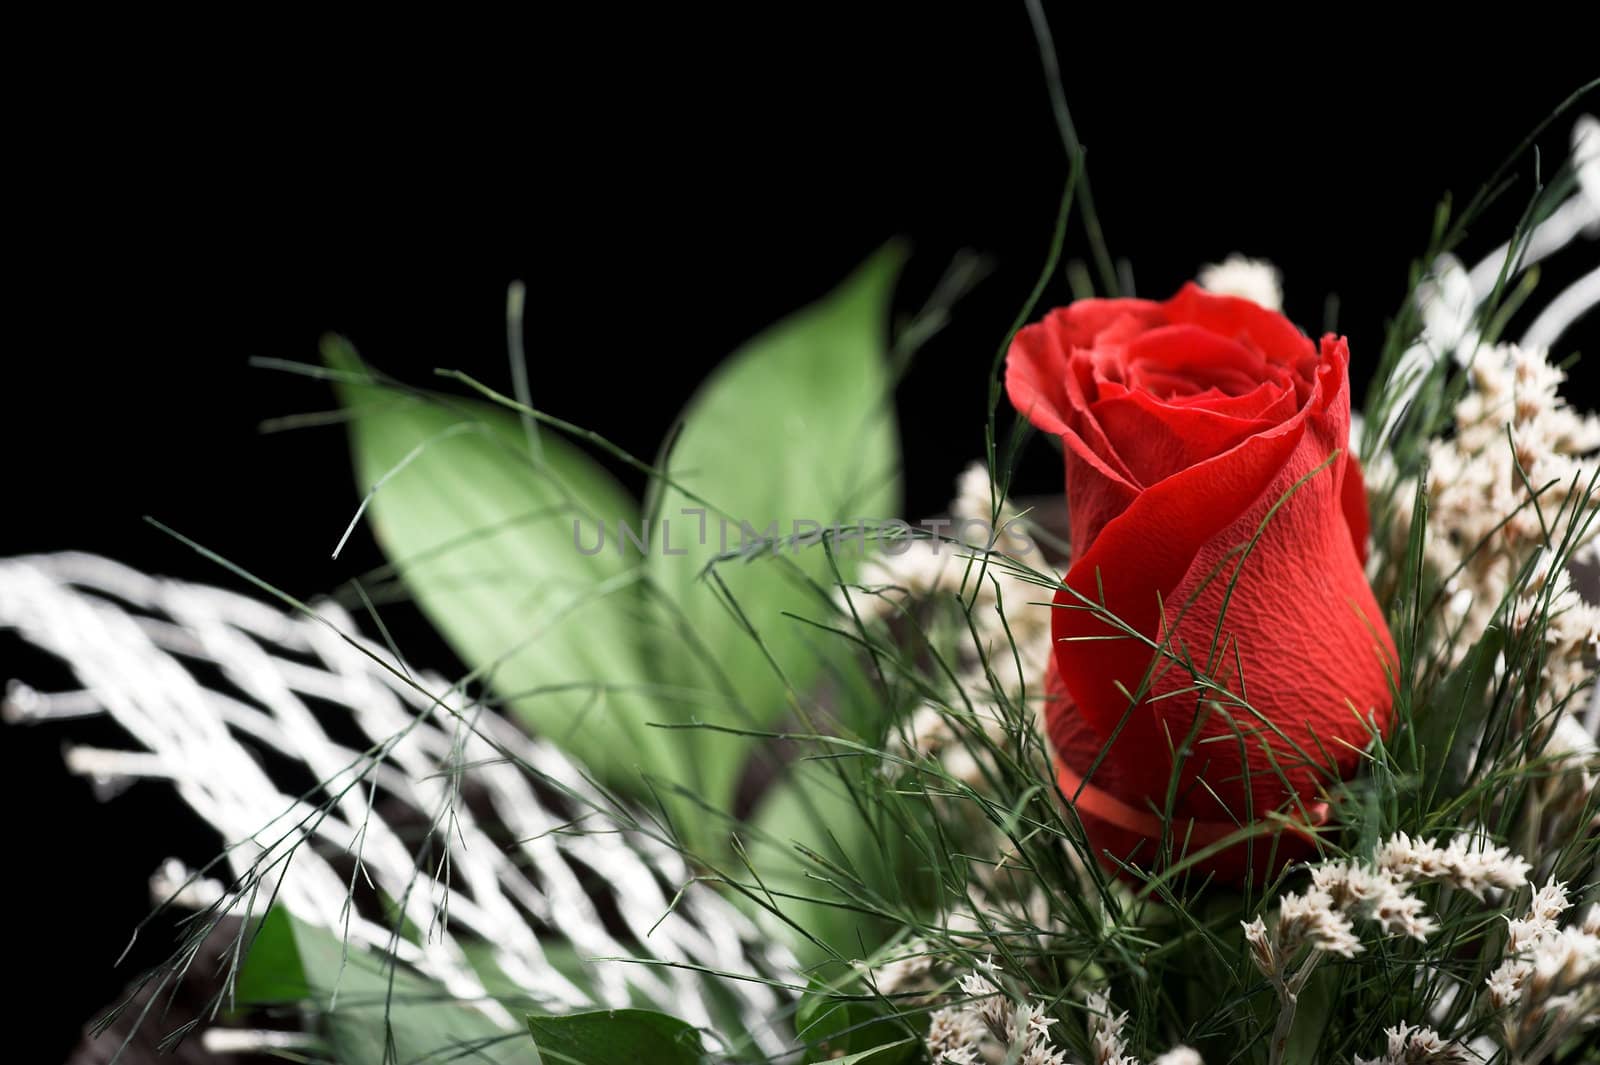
x=204, y=680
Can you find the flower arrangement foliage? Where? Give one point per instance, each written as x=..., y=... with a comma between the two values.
x=1270, y=739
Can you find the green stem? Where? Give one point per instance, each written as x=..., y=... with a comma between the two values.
x=1288, y=998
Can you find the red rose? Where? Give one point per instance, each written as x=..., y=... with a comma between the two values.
x=1183, y=424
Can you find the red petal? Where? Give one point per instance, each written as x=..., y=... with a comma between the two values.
x=1157, y=440
x=1125, y=829
x=1231, y=316
x=1300, y=616
x=1036, y=364
x=1353, y=497
x=1268, y=401
x=1183, y=359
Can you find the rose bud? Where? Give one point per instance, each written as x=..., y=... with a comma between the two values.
x=1215, y=635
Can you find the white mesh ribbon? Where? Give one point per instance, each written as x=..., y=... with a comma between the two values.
x=202, y=679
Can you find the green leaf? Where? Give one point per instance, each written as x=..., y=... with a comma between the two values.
x=832, y=842
x=1315, y=1008
x=1455, y=714
x=796, y=427
x=615, y=1037
x=482, y=531
x=368, y=1001
x=271, y=972
x=883, y=1054
x=851, y=1030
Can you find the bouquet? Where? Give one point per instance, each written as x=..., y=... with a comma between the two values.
x=1270, y=738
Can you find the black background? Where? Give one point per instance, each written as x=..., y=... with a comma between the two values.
x=666, y=189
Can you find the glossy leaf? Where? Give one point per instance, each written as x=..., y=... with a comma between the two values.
x=372, y=1010
x=615, y=1037
x=482, y=532
x=793, y=434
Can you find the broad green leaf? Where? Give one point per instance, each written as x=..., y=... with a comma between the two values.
x=366, y=1001
x=795, y=428
x=615, y=1037
x=271, y=973
x=805, y=825
x=1315, y=1007
x=1453, y=716
x=482, y=531
x=884, y=1054
x=854, y=1030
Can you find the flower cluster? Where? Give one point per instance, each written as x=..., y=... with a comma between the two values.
x=1342, y=892
x=1512, y=502
x=1321, y=922
x=989, y=1027
x=1010, y=634
x=989, y=1023
x=1408, y=1045
x=1511, y=486
x=1548, y=986
x=1466, y=862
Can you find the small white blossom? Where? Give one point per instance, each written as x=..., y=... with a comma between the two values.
x=1261, y=952
x=1409, y=1045
x=1033, y=1024
x=1518, y=457
x=1010, y=624
x=1549, y=902
x=1374, y=893
x=1505, y=983
x=1548, y=985
x=1180, y=1056
x=1105, y=1031
x=1312, y=918
x=1256, y=280
x=908, y=972
x=954, y=1036
x=1040, y=1054
x=1467, y=862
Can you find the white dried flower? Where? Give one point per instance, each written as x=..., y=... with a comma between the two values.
x=1313, y=919
x=1549, y=983
x=958, y=1056
x=1180, y=1056
x=1475, y=865
x=1467, y=862
x=1519, y=456
x=1377, y=894
x=954, y=1036
x=1549, y=902
x=1253, y=279
x=1402, y=914
x=1261, y=953
x=1505, y=983
x=1105, y=1031
x=977, y=524
x=1033, y=1024
x=1040, y=1054
x=1565, y=958
x=1408, y=1045
x=989, y=1002
x=1412, y=859
x=910, y=971
x=1011, y=640
x=1524, y=931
